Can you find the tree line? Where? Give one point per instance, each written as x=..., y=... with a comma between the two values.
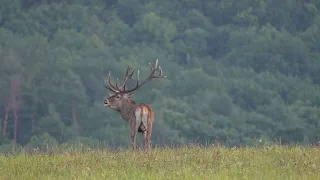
x=238, y=71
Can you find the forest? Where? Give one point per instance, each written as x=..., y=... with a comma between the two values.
x=238, y=71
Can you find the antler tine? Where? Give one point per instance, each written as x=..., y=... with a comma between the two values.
x=105, y=85
x=109, y=85
x=138, y=78
x=130, y=76
x=124, y=82
x=151, y=76
x=160, y=72
x=117, y=84
x=156, y=65
x=153, y=68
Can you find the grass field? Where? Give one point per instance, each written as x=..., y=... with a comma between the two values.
x=273, y=162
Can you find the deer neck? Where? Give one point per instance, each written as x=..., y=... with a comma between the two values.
x=128, y=106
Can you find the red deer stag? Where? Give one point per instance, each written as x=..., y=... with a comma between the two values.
x=139, y=115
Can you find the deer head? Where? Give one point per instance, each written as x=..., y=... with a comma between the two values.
x=119, y=96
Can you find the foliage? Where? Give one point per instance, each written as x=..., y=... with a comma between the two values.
x=237, y=70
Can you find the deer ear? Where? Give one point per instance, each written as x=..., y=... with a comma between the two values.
x=111, y=94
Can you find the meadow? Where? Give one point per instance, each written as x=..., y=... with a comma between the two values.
x=192, y=162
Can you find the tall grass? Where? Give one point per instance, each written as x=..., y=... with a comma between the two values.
x=269, y=162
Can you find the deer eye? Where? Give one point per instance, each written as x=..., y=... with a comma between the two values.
x=118, y=97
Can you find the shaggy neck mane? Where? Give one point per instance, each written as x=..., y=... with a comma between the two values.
x=128, y=106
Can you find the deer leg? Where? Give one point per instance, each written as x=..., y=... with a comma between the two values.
x=135, y=129
x=149, y=131
x=133, y=133
x=144, y=133
x=133, y=139
x=144, y=125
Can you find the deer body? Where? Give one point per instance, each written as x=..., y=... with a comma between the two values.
x=139, y=115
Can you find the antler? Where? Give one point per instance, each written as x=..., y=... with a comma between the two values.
x=116, y=88
x=151, y=76
x=128, y=74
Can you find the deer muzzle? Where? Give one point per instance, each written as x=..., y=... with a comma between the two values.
x=106, y=102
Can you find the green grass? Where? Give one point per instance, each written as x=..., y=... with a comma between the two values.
x=273, y=162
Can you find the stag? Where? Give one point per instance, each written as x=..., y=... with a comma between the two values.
x=139, y=115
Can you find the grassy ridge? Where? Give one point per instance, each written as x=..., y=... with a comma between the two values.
x=273, y=162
